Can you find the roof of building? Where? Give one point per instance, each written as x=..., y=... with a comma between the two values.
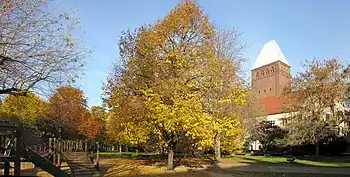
x=270, y=53
x=272, y=104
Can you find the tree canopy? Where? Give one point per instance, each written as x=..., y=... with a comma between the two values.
x=160, y=91
x=26, y=110
x=316, y=100
x=68, y=111
x=37, y=48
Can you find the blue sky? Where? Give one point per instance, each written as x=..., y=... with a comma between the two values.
x=303, y=29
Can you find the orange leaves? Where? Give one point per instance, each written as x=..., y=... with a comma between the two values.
x=185, y=18
x=91, y=127
x=68, y=107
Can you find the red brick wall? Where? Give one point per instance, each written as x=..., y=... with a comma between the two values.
x=269, y=80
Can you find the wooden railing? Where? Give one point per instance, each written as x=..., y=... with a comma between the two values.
x=43, y=148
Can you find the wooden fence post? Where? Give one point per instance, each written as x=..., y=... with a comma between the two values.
x=17, y=165
x=80, y=145
x=54, y=151
x=70, y=146
x=7, y=168
x=59, y=149
x=59, y=152
x=50, y=145
x=97, y=156
x=85, y=146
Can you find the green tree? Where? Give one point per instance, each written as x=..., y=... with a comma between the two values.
x=267, y=134
x=316, y=100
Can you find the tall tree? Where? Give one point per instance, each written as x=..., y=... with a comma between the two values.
x=68, y=111
x=100, y=114
x=158, y=89
x=224, y=90
x=316, y=101
x=251, y=113
x=37, y=49
x=27, y=110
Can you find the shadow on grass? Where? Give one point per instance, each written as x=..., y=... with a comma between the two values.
x=159, y=160
x=256, y=168
x=256, y=161
x=215, y=171
x=39, y=172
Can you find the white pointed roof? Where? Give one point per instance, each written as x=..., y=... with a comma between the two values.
x=270, y=53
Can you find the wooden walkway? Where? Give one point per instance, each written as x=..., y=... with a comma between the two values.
x=80, y=164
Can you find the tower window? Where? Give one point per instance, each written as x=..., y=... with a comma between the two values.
x=259, y=91
x=273, y=69
x=262, y=72
x=267, y=71
x=264, y=90
x=257, y=74
x=270, y=89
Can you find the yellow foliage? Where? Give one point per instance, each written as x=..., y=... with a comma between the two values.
x=23, y=109
x=171, y=84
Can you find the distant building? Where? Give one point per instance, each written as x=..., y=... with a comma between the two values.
x=270, y=75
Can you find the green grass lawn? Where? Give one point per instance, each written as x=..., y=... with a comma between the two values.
x=265, y=174
x=272, y=160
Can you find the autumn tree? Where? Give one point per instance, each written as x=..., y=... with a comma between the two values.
x=26, y=110
x=224, y=90
x=68, y=111
x=100, y=113
x=251, y=113
x=37, y=48
x=157, y=90
x=316, y=101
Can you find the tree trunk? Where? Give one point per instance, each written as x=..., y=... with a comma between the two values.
x=217, y=146
x=163, y=151
x=317, y=149
x=120, y=148
x=170, y=165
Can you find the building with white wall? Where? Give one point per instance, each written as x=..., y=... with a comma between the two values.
x=270, y=74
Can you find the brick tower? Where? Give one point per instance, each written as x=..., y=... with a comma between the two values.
x=271, y=71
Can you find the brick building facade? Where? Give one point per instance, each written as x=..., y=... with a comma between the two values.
x=270, y=74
